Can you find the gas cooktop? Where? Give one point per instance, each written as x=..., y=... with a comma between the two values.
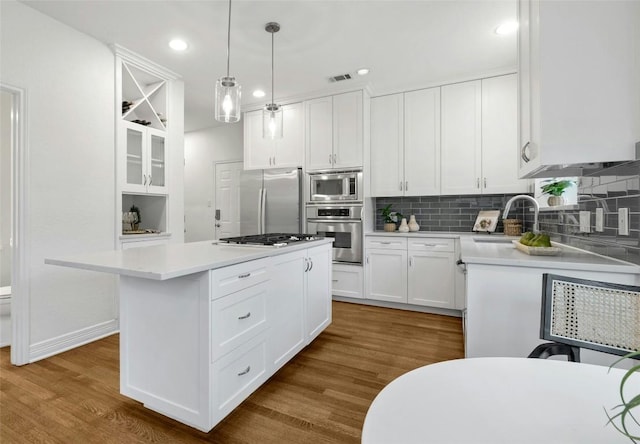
x=269, y=239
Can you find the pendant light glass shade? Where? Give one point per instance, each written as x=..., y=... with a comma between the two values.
x=228, y=92
x=227, y=100
x=272, y=122
x=272, y=125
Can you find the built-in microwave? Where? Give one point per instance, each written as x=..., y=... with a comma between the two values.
x=335, y=186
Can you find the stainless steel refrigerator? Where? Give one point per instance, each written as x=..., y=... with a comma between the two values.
x=271, y=201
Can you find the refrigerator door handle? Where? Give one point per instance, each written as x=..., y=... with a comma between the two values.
x=263, y=211
x=260, y=211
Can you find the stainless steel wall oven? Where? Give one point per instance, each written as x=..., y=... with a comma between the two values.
x=344, y=224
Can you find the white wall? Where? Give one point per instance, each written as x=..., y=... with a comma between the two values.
x=69, y=83
x=202, y=149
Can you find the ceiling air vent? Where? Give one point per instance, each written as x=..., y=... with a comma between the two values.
x=340, y=77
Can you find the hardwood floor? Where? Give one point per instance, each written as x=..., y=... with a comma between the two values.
x=321, y=396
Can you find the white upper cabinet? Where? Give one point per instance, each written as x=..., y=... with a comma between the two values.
x=579, y=82
x=387, y=145
x=261, y=153
x=334, y=132
x=462, y=138
x=479, y=136
x=146, y=159
x=405, y=144
x=422, y=142
x=500, y=136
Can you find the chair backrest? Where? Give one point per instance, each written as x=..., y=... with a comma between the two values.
x=590, y=314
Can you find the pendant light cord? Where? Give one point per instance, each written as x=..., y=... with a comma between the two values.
x=272, y=87
x=229, y=38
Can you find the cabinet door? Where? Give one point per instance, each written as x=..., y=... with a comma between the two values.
x=285, y=308
x=387, y=142
x=289, y=150
x=386, y=275
x=319, y=133
x=431, y=279
x=527, y=149
x=347, y=130
x=499, y=136
x=461, y=141
x=422, y=142
x=156, y=161
x=135, y=176
x=347, y=281
x=258, y=151
x=318, y=290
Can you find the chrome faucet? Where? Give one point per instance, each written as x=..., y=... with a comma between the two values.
x=536, y=209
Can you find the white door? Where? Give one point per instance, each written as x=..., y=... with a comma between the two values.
x=227, y=209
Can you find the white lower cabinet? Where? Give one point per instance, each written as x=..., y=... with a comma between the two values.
x=286, y=307
x=386, y=268
x=194, y=347
x=347, y=281
x=318, y=287
x=418, y=271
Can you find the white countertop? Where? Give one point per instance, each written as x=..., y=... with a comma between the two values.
x=502, y=252
x=163, y=262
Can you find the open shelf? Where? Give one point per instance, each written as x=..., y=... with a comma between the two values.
x=147, y=95
x=153, y=211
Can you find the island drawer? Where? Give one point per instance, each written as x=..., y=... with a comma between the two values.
x=236, y=318
x=237, y=375
x=234, y=278
x=432, y=244
x=388, y=242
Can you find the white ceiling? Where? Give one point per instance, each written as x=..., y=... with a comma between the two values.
x=406, y=44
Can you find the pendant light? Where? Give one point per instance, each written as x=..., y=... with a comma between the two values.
x=272, y=113
x=228, y=92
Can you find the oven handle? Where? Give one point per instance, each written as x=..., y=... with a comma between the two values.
x=326, y=221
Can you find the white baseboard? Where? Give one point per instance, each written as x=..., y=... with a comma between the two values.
x=401, y=306
x=53, y=346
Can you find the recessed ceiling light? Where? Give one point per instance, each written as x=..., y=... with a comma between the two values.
x=507, y=28
x=258, y=93
x=363, y=71
x=178, y=45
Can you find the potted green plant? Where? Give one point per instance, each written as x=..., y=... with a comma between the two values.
x=624, y=419
x=390, y=218
x=555, y=190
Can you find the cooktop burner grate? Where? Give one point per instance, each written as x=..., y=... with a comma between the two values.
x=269, y=239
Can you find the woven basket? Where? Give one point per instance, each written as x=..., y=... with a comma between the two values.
x=512, y=227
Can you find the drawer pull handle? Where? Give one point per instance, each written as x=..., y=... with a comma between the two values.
x=428, y=245
x=385, y=243
x=242, y=276
x=334, y=280
x=246, y=370
x=245, y=316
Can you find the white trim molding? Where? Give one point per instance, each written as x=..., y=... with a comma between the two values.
x=20, y=288
x=53, y=346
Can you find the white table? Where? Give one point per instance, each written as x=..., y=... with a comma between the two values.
x=499, y=400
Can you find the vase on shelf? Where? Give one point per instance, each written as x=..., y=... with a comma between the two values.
x=555, y=201
x=404, y=227
x=413, y=225
x=390, y=226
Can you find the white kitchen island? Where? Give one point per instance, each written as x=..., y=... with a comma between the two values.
x=204, y=325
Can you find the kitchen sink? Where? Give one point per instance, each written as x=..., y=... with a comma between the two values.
x=493, y=239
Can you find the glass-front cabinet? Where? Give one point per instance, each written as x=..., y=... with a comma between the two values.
x=146, y=166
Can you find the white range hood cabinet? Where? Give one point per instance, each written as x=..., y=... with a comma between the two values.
x=579, y=85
